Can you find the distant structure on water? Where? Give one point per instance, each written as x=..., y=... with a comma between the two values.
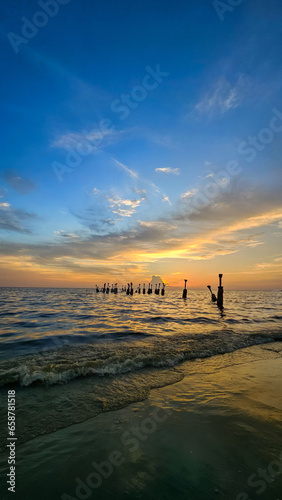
x=156, y=281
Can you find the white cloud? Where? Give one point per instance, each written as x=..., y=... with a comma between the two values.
x=166, y=198
x=189, y=193
x=167, y=170
x=124, y=207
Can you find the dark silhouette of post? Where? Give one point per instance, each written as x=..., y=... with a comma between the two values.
x=128, y=289
x=104, y=288
x=184, y=295
x=220, y=293
x=144, y=288
x=163, y=289
x=139, y=288
x=108, y=288
x=213, y=297
x=97, y=289
x=131, y=288
x=116, y=288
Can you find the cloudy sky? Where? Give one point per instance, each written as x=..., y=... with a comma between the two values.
x=141, y=138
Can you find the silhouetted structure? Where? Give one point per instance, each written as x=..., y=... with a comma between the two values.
x=139, y=288
x=104, y=288
x=163, y=289
x=131, y=288
x=213, y=296
x=116, y=288
x=108, y=288
x=220, y=293
x=97, y=289
x=144, y=289
x=128, y=289
x=184, y=295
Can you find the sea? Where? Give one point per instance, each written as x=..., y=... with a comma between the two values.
x=72, y=354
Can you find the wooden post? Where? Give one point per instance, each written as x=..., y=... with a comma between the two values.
x=163, y=289
x=213, y=297
x=220, y=293
x=184, y=295
x=144, y=288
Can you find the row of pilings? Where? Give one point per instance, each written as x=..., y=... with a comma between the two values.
x=128, y=289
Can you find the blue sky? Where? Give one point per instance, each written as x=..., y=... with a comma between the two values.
x=194, y=88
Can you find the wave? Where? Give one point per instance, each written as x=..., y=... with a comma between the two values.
x=71, y=362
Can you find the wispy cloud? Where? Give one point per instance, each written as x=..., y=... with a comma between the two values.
x=167, y=170
x=166, y=199
x=128, y=170
x=12, y=219
x=92, y=140
x=221, y=98
x=21, y=184
x=65, y=234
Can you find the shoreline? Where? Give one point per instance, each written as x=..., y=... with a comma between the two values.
x=203, y=436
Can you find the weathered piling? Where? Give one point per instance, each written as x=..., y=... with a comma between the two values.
x=213, y=296
x=131, y=288
x=144, y=288
x=184, y=295
x=163, y=289
x=128, y=289
x=220, y=293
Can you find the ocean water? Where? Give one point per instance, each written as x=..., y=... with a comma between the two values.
x=72, y=353
x=72, y=356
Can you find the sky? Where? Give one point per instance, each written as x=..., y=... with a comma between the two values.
x=140, y=139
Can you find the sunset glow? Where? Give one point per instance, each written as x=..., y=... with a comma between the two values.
x=147, y=148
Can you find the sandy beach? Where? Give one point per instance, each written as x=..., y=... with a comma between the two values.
x=216, y=434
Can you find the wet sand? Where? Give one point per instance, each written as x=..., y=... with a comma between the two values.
x=216, y=434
